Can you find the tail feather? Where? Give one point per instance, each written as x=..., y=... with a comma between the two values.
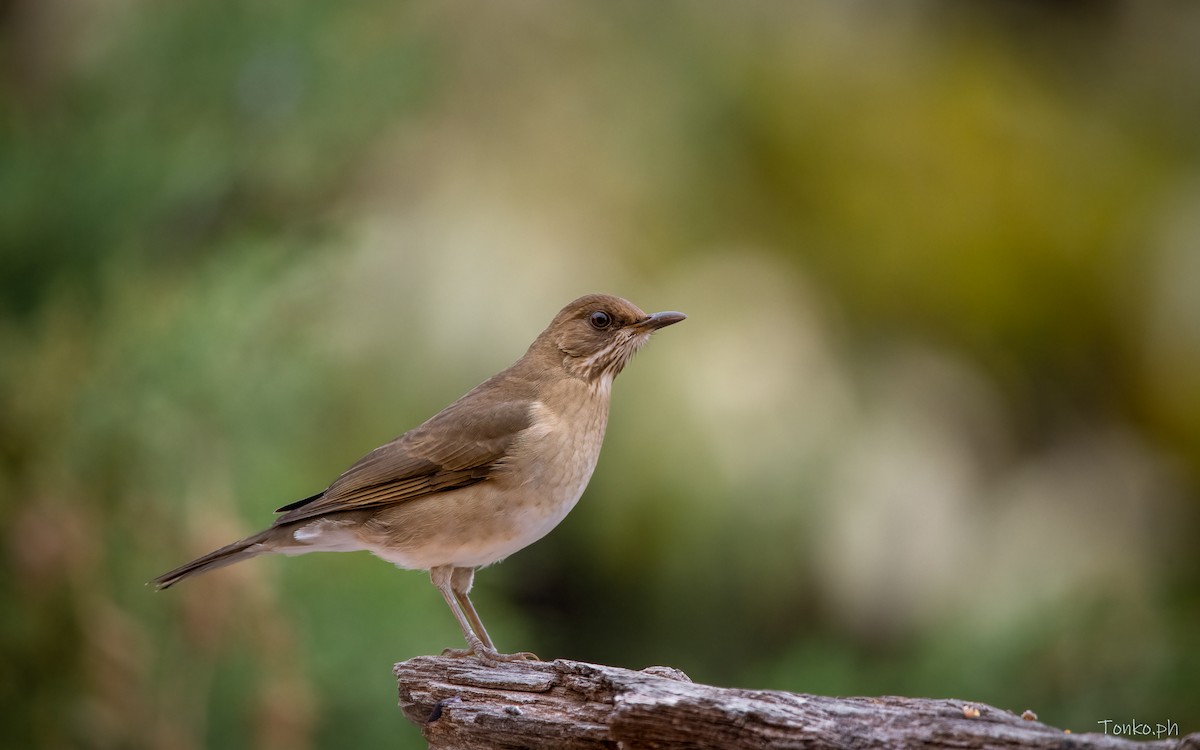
x=243, y=549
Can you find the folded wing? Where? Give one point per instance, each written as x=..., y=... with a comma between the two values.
x=430, y=458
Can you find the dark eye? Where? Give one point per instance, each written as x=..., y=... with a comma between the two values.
x=600, y=319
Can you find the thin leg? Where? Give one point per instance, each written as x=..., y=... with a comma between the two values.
x=455, y=583
x=460, y=582
x=440, y=576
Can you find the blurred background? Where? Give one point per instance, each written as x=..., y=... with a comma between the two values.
x=932, y=427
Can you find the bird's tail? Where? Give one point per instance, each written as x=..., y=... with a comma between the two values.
x=243, y=549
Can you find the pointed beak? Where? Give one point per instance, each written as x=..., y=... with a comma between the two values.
x=660, y=320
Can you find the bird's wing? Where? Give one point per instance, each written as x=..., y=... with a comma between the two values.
x=433, y=457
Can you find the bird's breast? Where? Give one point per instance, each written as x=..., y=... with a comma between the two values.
x=532, y=491
x=556, y=455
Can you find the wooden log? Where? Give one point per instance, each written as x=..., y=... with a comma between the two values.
x=459, y=703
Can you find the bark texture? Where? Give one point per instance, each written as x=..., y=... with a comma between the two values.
x=458, y=703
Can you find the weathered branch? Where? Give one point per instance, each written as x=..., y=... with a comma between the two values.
x=568, y=705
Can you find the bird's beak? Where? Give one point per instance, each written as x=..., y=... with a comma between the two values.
x=659, y=320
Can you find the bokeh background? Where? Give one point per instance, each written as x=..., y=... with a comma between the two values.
x=932, y=427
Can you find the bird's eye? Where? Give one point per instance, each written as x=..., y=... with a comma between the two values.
x=600, y=320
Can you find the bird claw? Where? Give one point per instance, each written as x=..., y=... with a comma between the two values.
x=519, y=656
x=490, y=657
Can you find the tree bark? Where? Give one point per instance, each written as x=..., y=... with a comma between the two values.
x=458, y=703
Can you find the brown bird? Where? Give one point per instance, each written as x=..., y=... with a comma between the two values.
x=488, y=475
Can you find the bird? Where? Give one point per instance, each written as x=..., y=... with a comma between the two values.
x=490, y=474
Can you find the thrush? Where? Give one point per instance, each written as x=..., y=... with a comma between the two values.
x=488, y=475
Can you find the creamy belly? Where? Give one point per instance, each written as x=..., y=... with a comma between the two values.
x=540, y=482
x=431, y=532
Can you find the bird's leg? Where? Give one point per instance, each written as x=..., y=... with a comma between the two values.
x=444, y=579
x=461, y=582
x=440, y=576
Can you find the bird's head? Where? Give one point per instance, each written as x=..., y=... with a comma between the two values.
x=598, y=334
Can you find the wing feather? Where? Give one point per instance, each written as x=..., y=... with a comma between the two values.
x=432, y=457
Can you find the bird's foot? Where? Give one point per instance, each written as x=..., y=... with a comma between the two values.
x=489, y=656
x=519, y=656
